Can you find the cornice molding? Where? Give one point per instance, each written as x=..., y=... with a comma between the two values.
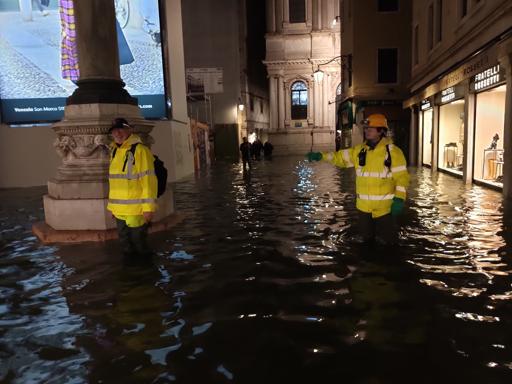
x=444, y=63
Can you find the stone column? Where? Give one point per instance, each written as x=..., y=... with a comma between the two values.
x=274, y=115
x=281, y=100
x=435, y=139
x=326, y=86
x=77, y=195
x=286, y=12
x=279, y=17
x=100, y=80
x=271, y=15
x=469, y=130
x=287, y=104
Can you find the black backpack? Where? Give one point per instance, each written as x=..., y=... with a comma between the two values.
x=160, y=170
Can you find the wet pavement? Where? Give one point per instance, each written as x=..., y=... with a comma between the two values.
x=260, y=285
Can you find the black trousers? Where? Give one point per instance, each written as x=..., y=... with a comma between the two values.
x=382, y=229
x=134, y=241
x=246, y=162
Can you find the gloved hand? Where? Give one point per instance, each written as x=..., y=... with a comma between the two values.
x=397, y=206
x=314, y=156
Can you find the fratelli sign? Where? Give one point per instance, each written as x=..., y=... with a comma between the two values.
x=468, y=70
x=488, y=78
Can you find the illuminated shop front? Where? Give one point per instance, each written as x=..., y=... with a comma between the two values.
x=451, y=129
x=489, y=125
x=426, y=120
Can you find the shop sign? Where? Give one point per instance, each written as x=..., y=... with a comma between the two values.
x=447, y=95
x=466, y=71
x=425, y=104
x=487, y=78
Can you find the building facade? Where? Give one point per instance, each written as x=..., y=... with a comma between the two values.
x=226, y=79
x=375, y=37
x=302, y=38
x=461, y=95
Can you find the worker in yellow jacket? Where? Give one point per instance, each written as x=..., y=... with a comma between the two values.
x=381, y=180
x=132, y=188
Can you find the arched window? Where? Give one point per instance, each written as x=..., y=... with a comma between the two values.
x=338, y=90
x=299, y=101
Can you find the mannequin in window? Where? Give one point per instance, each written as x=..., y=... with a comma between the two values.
x=494, y=143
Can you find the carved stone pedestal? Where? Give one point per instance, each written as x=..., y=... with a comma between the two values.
x=77, y=196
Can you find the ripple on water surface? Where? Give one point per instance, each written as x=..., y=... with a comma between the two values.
x=259, y=284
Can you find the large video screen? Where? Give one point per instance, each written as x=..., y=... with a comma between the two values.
x=39, y=65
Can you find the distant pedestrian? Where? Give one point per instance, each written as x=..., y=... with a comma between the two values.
x=257, y=147
x=133, y=188
x=267, y=150
x=245, y=150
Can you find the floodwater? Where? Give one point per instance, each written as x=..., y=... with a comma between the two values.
x=260, y=285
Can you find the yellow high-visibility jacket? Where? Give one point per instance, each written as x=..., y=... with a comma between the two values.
x=134, y=189
x=376, y=184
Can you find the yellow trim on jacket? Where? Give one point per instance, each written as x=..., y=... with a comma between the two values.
x=376, y=184
x=133, y=190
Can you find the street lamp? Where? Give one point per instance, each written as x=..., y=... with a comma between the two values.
x=241, y=105
x=318, y=75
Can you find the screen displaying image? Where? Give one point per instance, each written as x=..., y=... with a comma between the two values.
x=38, y=60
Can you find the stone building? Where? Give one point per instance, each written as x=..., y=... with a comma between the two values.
x=461, y=89
x=302, y=38
x=376, y=44
x=227, y=85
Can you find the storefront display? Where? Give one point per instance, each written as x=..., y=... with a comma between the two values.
x=489, y=126
x=451, y=130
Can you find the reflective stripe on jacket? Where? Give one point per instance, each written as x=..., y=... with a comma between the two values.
x=376, y=184
x=133, y=190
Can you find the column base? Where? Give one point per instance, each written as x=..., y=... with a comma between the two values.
x=100, y=91
x=91, y=214
x=49, y=235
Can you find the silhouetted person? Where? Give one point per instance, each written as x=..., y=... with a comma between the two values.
x=245, y=150
x=257, y=146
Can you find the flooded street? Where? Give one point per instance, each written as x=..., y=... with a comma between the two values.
x=259, y=284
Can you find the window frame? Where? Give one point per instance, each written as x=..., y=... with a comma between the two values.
x=299, y=111
x=397, y=72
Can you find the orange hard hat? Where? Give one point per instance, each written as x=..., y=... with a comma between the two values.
x=376, y=120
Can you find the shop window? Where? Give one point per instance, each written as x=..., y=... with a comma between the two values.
x=489, y=131
x=387, y=63
x=299, y=95
x=387, y=5
x=451, y=136
x=297, y=11
x=427, y=119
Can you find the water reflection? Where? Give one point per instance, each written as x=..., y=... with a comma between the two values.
x=259, y=284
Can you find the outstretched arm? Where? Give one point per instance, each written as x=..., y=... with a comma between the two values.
x=344, y=158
